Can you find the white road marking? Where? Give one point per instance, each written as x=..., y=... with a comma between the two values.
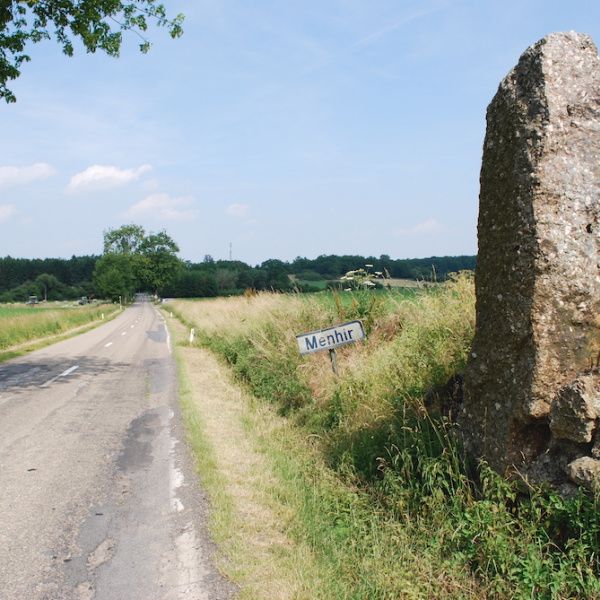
x=4, y=400
x=124, y=333
x=163, y=321
x=168, y=338
x=63, y=374
x=108, y=345
x=69, y=371
x=132, y=326
x=176, y=478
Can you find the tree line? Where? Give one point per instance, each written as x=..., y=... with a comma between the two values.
x=135, y=260
x=332, y=266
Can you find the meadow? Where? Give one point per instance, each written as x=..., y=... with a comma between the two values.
x=20, y=323
x=383, y=494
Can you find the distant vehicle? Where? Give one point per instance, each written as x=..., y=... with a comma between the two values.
x=83, y=300
x=32, y=300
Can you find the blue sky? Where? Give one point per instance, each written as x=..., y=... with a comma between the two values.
x=286, y=128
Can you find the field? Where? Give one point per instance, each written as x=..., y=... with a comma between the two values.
x=392, y=283
x=20, y=323
x=320, y=284
x=381, y=491
x=14, y=310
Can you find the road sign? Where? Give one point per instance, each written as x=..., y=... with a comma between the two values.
x=331, y=338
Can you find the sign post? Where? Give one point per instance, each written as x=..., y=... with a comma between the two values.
x=333, y=358
x=330, y=339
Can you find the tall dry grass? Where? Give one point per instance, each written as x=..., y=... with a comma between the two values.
x=411, y=344
x=409, y=492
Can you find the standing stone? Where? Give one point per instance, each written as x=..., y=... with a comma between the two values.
x=538, y=266
x=575, y=410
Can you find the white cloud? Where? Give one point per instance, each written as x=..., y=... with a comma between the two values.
x=7, y=211
x=162, y=206
x=22, y=175
x=427, y=227
x=103, y=176
x=237, y=210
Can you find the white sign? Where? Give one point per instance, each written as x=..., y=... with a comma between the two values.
x=328, y=339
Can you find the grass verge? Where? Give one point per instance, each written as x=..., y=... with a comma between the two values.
x=251, y=515
x=375, y=484
x=288, y=527
x=25, y=330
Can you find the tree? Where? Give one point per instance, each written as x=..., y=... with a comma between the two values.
x=127, y=239
x=145, y=261
x=277, y=277
x=97, y=24
x=48, y=282
x=114, y=276
x=192, y=284
x=226, y=279
x=158, y=264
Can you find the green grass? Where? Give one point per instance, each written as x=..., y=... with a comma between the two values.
x=8, y=311
x=318, y=284
x=20, y=324
x=390, y=504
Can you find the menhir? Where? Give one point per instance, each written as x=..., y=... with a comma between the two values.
x=538, y=267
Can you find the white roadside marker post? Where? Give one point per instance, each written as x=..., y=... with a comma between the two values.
x=192, y=333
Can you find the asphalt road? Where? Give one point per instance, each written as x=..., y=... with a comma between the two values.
x=98, y=496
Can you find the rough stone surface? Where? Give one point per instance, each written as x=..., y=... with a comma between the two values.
x=596, y=445
x=575, y=409
x=585, y=471
x=538, y=268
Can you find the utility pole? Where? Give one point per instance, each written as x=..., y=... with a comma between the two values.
x=230, y=252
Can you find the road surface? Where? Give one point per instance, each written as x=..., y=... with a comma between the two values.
x=98, y=496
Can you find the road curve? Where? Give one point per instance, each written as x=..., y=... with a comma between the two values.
x=98, y=496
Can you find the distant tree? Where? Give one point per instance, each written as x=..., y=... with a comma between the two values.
x=245, y=280
x=226, y=279
x=47, y=282
x=151, y=259
x=73, y=274
x=194, y=284
x=260, y=279
x=308, y=275
x=158, y=264
x=276, y=275
x=127, y=239
x=97, y=24
x=20, y=293
x=114, y=276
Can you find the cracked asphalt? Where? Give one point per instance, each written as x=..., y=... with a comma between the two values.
x=98, y=495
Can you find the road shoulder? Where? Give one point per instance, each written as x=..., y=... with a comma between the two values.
x=252, y=517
